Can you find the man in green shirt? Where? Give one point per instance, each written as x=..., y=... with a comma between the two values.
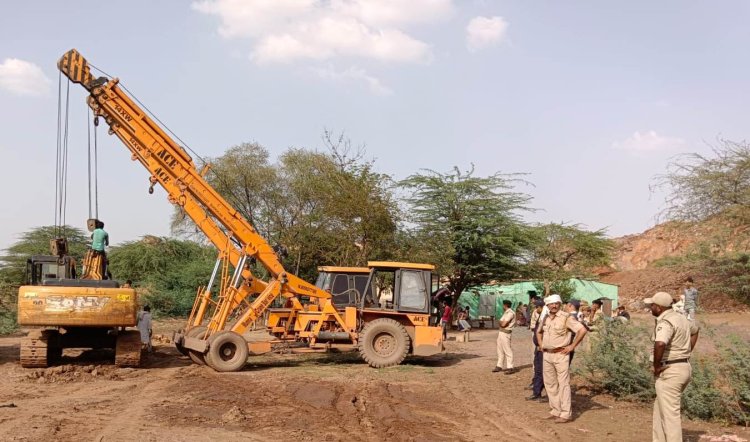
x=99, y=240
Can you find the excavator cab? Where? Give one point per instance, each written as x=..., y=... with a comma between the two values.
x=43, y=268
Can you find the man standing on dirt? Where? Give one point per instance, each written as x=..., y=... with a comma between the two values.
x=674, y=339
x=572, y=307
x=537, y=382
x=445, y=320
x=554, y=337
x=144, y=327
x=504, y=350
x=691, y=298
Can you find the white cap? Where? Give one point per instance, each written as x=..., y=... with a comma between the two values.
x=551, y=299
x=663, y=299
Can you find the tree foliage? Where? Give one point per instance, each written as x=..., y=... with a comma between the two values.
x=559, y=252
x=36, y=241
x=469, y=225
x=324, y=208
x=166, y=271
x=703, y=186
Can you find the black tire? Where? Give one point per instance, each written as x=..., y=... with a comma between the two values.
x=227, y=351
x=179, y=346
x=196, y=357
x=384, y=343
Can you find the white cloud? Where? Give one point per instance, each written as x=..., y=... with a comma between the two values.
x=482, y=32
x=283, y=31
x=23, y=78
x=354, y=73
x=648, y=141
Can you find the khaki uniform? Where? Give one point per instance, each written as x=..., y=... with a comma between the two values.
x=675, y=330
x=557, y=333
x=534, y=318
x=504, y=350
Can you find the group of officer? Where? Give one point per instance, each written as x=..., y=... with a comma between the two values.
x=559, y=333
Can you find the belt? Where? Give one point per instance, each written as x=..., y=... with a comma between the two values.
x=553, y=350
x=676, y=361
x=505, y=330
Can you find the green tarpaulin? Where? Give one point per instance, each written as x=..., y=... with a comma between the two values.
x=482, y=299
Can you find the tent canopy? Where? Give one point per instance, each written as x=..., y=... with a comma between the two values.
x=480, y=299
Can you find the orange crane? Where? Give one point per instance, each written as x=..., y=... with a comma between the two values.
x=401, y=326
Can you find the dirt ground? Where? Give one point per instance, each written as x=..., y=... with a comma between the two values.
x=453, y=396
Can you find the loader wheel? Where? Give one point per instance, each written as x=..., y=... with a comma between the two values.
x=179, y=347
x=128, y=349
x=383, y=343
x=227, y=351
x=196, y=357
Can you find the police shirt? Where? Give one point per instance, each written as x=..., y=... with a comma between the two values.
x=509, y=316
x=674, y=330
x=558, y=331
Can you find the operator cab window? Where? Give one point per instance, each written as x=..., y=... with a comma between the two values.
x=412, y=291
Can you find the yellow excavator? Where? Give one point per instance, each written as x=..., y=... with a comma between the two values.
x=71, y=312
x=387, y=306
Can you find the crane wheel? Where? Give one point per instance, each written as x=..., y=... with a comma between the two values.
x=195, y=332
x=383, y=343
x=179, y=347
x=128, y=349
x=227, y=351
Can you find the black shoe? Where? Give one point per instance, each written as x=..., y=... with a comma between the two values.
x=534, y=397
x=511, y=371
x=497, y=369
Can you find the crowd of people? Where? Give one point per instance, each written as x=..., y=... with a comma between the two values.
x=558, y=329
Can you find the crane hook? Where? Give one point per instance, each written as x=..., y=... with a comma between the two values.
x=151, y=189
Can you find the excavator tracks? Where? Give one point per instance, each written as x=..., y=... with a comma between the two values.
x=128, y=349
x=34, y=349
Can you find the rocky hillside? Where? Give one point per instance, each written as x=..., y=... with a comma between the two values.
x=638, y=278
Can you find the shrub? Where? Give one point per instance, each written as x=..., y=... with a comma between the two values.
x=618, y=362
x=8, y=322
x=735, y=355
x=702, y=399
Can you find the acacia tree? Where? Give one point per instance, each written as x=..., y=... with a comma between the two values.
x=468, y=226
x=37, y=242
x=558, y=252
x=701, y=186
x=324, y=208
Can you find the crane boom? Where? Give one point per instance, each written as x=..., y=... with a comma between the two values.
x=172, y=168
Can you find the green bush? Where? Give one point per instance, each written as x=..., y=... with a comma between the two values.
x=702, y=399
x=167, y=271
x=618, y=362
x=8, y=323
x=735, y=354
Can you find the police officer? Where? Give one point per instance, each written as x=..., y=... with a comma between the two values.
x=674, y=339
x=554, y=337
x=504, y=349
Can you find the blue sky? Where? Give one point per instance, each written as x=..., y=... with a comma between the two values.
x=590, y=99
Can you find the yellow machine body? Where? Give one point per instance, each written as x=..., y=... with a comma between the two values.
x=77, y=306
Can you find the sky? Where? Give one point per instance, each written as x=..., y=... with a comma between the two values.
x=591, y=100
